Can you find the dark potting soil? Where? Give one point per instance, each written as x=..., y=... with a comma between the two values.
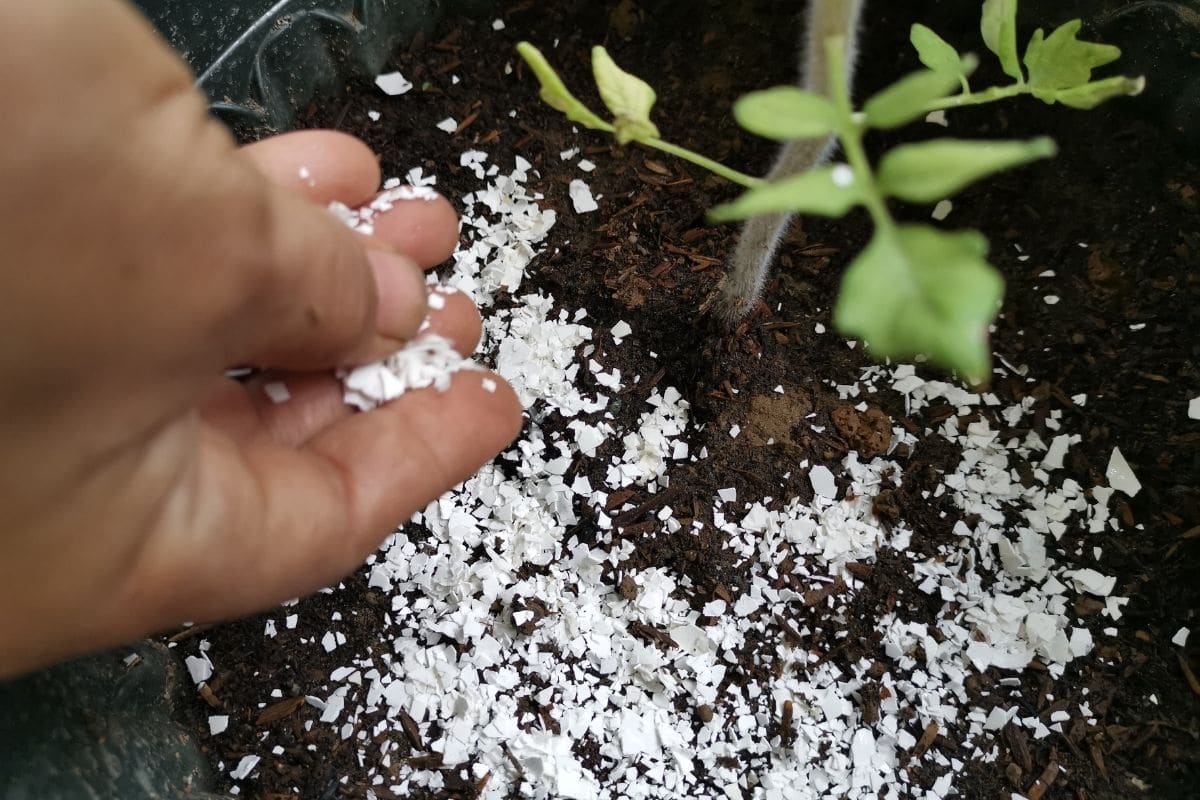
x=1116, y=216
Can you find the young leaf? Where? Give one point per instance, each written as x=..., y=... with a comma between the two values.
x=785, y=112
x=936, y=53
x=1060, y=61
x=998, y=25
x=905, y=100
x=628, y=97
x=1093, y=94
x=827, y=191
x=554, y=93
x=934, y=170
x=918, y=291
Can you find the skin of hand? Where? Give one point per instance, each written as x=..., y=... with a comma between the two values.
x=142, y=255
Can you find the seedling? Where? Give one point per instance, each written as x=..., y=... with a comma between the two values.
x=914, y=290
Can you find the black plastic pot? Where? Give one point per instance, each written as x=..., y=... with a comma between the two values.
x=261, y=62
x=99, y=728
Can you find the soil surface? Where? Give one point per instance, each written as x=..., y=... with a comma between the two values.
x=1116, y=217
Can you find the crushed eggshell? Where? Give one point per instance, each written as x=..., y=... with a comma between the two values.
x=393, y=83
x=1092, y=582
x=277, y=391
x=1120, y=475
x=428, y=361
x=581, y=197
x=823, y=483
x=244, y=767
x=938, y=118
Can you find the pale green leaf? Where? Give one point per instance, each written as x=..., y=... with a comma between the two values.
x=628, y=97
x=998, y=24
x=916, y=290
x=785, y=112
x=1061, y=61
x=934, y=170
x=936, y=53
x=828, y=191
x=907, y=98
x=1093, y=94
x=555, y=94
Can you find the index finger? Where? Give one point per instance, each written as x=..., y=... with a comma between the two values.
x=329, y=166
x=323, y=166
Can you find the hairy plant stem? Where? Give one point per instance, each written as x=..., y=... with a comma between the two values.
x=714, y=167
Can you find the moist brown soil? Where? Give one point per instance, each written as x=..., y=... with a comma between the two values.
x=1116, y=215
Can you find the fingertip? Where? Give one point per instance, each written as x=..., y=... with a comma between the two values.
x=425, y=229
x=453, y=314
x=322, y=165
x=471, y=422
x=503, y=407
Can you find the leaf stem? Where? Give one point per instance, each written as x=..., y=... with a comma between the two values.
x=715, y=167
x=850, y=132
x=977, y=98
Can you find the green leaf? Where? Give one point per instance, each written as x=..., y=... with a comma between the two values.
x=916, y=290
x=936, y=53
x=785, y=112
x=554, y=93
x=1093, y=94
x=628, y=97
x=998, y=25
x=934, y=170
x=907, y=98
x=1061, y=61
x=828, y=191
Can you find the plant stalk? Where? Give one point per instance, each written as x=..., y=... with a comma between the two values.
x=978, y=98
x=850, y=132
x=715, y=167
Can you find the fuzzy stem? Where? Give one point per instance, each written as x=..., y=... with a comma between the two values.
x=715, y=167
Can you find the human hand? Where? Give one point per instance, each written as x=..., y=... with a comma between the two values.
x=143, y=255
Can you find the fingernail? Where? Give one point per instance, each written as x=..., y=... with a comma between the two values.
x=402, y=299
